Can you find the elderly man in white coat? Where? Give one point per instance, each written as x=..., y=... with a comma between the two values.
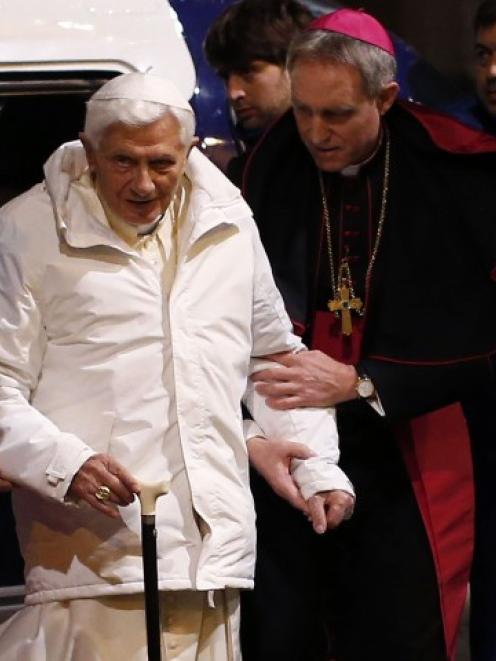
x=136, y=300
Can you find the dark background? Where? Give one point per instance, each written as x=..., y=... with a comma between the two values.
x=441, y=30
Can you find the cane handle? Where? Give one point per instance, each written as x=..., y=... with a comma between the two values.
x=148, y=496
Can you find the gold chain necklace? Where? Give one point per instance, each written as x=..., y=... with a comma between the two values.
x=344, y=299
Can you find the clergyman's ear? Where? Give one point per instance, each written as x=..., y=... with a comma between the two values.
x=387, y=96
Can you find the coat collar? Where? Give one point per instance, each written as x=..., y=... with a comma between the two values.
x=215, y=201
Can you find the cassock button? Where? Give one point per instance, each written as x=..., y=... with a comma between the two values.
x=352, y=208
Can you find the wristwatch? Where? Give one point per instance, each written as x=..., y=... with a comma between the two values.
x=364, y=386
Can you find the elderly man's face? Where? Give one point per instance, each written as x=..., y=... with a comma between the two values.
x=338, y=123
x=137, y=169
x=485, y=67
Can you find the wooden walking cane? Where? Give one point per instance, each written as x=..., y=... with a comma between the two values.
x=148, y=497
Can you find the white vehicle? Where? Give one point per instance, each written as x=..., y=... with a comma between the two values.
x=54, y=54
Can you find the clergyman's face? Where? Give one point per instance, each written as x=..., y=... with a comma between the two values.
x=337, y=121
x=260, y=95
x=485, y=67
x=137, y=169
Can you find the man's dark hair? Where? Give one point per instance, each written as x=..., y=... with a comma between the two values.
x=486, y=15
x=253, y=30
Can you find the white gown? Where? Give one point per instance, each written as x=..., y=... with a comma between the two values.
x=113, y=629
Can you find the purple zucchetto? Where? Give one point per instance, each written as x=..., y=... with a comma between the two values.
x=357, y=24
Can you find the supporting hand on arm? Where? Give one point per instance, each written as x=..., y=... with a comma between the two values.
x=307, y=378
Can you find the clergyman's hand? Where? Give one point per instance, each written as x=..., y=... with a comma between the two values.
x=272, y=459
x=101, y=470
x=307, y=378
x=327, y=509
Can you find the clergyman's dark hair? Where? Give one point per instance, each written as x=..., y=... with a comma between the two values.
x=485, y=16
x=253, y=30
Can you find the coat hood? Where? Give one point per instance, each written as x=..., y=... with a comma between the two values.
x=214, y=199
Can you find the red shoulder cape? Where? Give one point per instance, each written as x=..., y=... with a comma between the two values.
x=448, y=133
x=436, y=446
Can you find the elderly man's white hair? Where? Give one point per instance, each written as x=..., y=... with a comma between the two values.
x=137, y=99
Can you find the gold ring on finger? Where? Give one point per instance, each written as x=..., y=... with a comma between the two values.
x=103, y=493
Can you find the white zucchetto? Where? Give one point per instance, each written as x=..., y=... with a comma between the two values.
x=142, y=87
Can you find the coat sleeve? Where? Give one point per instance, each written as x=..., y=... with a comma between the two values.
x=409, y=390
x=316, y=427
x=406, y=391
x=34, y=453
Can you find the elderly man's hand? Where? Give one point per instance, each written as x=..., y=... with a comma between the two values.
x=272, y=459
x=5, y=485
x=326, y=510
x=99, y=471
x=308, y=378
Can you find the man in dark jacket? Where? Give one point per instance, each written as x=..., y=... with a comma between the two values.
x=484, y=111
x=247, y=45
x=478, y=110
x=380, y=224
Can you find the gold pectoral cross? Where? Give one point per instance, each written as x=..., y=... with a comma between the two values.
x=343, y=304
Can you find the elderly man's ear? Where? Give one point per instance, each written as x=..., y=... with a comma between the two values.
x=194, y=143
x=89, y=149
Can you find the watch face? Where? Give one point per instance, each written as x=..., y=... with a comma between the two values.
x=365, y=388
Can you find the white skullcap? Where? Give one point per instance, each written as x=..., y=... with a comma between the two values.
x=142, y=87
